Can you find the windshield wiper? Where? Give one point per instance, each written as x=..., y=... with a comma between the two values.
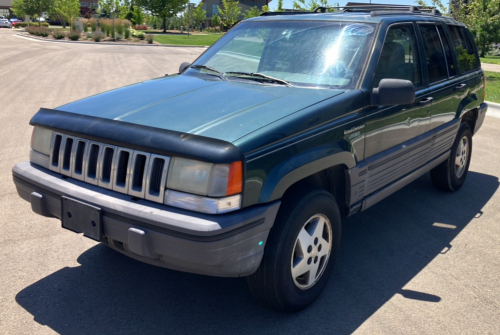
x=217, y=72
x=260, y=76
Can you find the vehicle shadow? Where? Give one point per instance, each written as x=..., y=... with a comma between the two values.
x=382, y=250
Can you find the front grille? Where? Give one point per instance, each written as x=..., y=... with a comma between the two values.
x=137, y=173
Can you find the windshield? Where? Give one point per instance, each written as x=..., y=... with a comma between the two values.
x=302, y=53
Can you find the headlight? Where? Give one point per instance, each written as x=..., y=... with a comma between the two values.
x=214, y=180
x=204, y=187
x=40, y=140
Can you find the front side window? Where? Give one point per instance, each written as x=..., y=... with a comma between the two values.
x=303, y=53
x=399, y=56
x=434, y=54
x=467, y=58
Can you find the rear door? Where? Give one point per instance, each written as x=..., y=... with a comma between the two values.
x=443, y=82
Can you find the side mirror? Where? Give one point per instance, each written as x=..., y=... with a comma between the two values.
x=393, y=92
x=184, y=66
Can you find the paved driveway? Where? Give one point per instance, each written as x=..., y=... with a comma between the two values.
x=420, y=262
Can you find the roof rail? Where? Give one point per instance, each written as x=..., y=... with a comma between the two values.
x=375, y=10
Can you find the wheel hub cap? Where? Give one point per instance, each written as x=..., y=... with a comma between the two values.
x=461, y=156
x=311, y=251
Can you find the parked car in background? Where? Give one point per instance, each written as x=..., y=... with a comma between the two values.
x=4, y=23
x=245, y=162
x=14, y=21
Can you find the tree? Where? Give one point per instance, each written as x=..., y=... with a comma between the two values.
x=230, y=12
x=68, y=9
x=252, y=12
x=138, y=16
x=162, y=8
x=32, y=7
x=483, y=19
x=280, y=6
x=215, y=21
x=111, y=7
x=481, y=16
x=200, y=15
x=188, y=18
x=435, y=4
x=311, y=5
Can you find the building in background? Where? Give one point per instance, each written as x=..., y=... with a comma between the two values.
x=5, y=6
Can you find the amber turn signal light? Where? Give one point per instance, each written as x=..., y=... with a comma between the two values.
x=235, y=178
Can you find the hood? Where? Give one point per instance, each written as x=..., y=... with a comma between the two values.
x=225, y=110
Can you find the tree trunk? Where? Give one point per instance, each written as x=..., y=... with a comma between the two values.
x=164, y=24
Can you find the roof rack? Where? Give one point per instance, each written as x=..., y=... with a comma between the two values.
x=375, y=10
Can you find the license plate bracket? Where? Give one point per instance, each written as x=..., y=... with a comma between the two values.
x=80, y=217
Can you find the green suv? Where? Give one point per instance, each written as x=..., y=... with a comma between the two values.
x=244, y=163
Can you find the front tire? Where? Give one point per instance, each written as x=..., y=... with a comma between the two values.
x=450, y=175
x=300, y=252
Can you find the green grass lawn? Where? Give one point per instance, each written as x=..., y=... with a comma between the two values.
x=184, y=40
x=491, y=60
x=492, y=86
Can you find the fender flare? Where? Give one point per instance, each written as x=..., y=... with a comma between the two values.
x=306, y=170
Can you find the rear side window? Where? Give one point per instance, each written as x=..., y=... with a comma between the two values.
x=399, y=56
x=447, y=51
x=434, y=54
x=467, y=58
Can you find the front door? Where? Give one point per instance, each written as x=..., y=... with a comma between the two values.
x=389, y=126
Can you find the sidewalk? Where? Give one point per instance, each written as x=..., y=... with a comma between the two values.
x=490, y=67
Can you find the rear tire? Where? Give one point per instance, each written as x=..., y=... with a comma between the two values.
x=304, y=241
x=450, y=175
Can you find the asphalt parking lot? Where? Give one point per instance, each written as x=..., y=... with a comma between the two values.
x=419, y=262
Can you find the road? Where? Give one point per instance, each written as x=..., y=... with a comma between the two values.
x=419, y=262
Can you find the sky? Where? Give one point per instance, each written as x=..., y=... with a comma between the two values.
x=289, y=3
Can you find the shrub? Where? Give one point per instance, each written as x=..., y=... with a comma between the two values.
x=104, y=23
x=73, y=26
x=38, y=31
x=74, y=36
x=141, y=35
x=141, y=27
x=31, y=30
x=58, y=35
x=33, y=24
x=150, y=38
x=89, y=35
x=93, y=24
x=44, y=32
x=97, y=36
x=118, y=37
x=127, y=33
x=119, y=27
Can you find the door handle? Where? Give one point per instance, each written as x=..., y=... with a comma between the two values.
x=426, y=101
x=461, y=87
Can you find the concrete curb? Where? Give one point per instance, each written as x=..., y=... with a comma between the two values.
x=493, y=109
x=106, y=43
x=493, y=104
